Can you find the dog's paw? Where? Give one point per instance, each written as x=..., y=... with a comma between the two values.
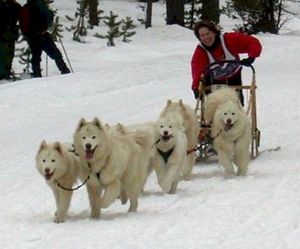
x=95, y=215
x=59, y=219
x=185, y=178
x=123, y=197
x=165, y=186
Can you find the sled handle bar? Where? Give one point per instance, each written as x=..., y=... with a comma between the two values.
x=227, y=61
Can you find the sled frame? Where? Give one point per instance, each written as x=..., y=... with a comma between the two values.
x=204, y=139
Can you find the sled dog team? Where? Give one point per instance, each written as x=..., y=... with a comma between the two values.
x=114, y=161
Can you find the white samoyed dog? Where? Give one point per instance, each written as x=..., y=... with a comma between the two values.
x=170, y=152
x=187, y=116
x=231, y=130
x=60, y=168
x=116, y=157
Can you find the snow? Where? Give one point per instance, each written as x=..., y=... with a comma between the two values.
x=130, y=83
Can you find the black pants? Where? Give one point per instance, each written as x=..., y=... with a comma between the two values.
x=235, y=80
x=7, y=51
x=44, y=42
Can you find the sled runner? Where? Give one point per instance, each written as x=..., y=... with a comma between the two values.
x=205, y=140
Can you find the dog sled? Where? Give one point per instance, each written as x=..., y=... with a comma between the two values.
x=205, y=140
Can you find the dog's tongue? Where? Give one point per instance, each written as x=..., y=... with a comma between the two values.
x=227, y=127
x=48, y=176
x=166, y=138
x=89, y=154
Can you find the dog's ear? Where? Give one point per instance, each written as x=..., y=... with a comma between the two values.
x=107, y=126
x=81, y=123
x=182, y=106
x=169, y=102
x=98, y=123
x=121, y=128
x=43, y=145
x=57, y=146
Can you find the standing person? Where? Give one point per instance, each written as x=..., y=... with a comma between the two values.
x=9, y=33
x=39, y=39
x=214, y=47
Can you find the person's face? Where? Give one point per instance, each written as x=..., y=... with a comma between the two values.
x=207, y=37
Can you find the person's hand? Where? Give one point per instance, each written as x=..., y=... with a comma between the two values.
x=196, y=93
x=247, y=61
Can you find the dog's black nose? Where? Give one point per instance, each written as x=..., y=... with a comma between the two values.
x=229, y=121
x=88, y=146
x=47, y=170
x=166, y=133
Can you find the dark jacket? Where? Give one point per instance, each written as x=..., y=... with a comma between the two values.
x=9, y=15
x=41, y=17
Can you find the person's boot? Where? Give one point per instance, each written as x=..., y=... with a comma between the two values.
x=65, y=71
x=36, y=71
x=62, y=66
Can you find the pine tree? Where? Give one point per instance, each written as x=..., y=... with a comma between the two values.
x=94, y=12
x=256, y=15
x=80, y=28
x=127, y=26
x=192, y=13
x=113, y=28
x=25, y=59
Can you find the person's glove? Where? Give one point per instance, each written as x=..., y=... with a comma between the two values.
x=196, y=93
x=247, y=61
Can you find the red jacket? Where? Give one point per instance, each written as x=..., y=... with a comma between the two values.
x=236, y=43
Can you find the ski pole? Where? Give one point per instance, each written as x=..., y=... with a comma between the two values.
x=62, y=45
x=46, y=65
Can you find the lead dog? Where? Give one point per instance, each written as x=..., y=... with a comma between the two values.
x=59, y=167
x=116, y=157
x=231, y=130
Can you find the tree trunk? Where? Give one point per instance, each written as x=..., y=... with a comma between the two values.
x=93, y=12
x=269, y=16
x=148, y=22
x=211, y=10
x=175, y=12
x=192, y=13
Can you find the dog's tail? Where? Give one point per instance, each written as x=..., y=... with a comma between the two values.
x=145, y=137
x=217, y=98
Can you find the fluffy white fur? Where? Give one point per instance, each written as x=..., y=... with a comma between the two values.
x=58, y=166
x=231, y=130
x=117, y=157
x=185, y=115
x=170, y=153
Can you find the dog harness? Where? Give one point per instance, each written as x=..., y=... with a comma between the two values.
x=225, y=71
x=165, y=154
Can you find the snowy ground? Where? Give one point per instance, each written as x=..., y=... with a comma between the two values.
x=130, y=83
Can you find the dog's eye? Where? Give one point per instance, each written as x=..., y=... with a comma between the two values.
x=161, y=126
x=225, y=113
x=233, y=114
x=44, y=160
x=93, y=137
x=83, y=138
x=53, y=160
x=170, y=126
